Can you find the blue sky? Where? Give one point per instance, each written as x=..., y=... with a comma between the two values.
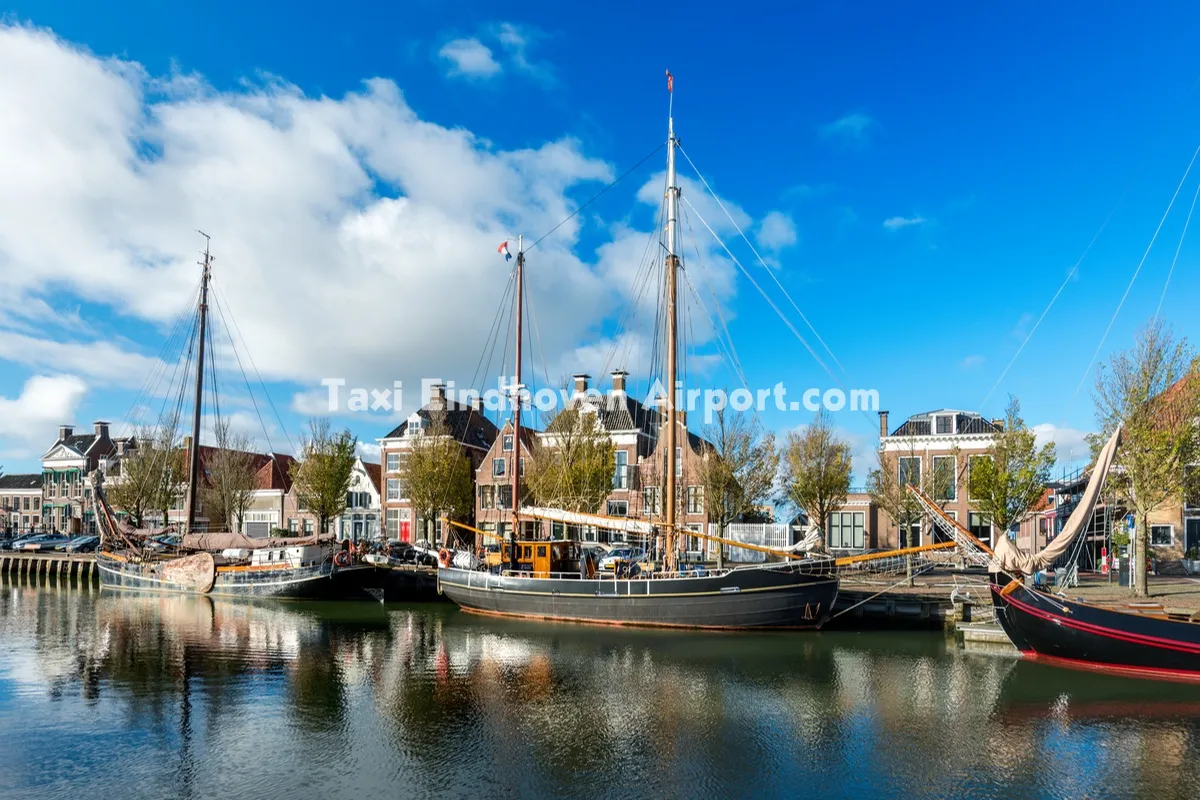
x=942, y=169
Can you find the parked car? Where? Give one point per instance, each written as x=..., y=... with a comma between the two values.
x=81, y=544
x=622, y=555
x=44, y=542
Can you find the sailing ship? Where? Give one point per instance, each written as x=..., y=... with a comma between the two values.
x=217, y=564
x=553, y=580
x=1141, y=640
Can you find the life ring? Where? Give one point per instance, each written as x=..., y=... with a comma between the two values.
x=444, y=557
x=341, y=558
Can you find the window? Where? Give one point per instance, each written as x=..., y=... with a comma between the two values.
x=945, y=478
x=909, y=469
x=308, y=526
x=487, y=496
x=557, y=530
x=650, y=500
x=678, y=460
x=911, y=537
x=979, y=526
x=504, y=497
x=301, y=503
x=25, y=505
x=522, y=466
x=1162, y=535
x=695, y=499
x=846, y=530
x=617, y=508
x=621, y=471
x=350, y=499
x=508, y=443
x=971, y=461
x=392, y=523
x=498, y=467
x=294, y=525
x=393, y=462
x=945, y=423
x=393, y=488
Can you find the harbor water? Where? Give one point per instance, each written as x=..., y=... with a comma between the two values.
x=113, y=695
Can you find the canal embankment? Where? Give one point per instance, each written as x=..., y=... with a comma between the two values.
x=73, y=566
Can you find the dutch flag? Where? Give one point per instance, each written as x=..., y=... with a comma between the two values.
x=503, y=250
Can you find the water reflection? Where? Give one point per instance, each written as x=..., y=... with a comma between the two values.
x=149, y=696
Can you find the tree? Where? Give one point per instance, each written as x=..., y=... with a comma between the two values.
x=1011, y=476
x=230, y=478
x=152, y=475
x=817, y=466
x=437, y=476
x=1153, y=390
x=738, y=473
x=322, y=478
x=572, y=463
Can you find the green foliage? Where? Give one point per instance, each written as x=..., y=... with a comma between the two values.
x=817, y=466
x=438, y=475
x=1011, y=478
x=1153, y=391
x=322, y=477
x=573, y=463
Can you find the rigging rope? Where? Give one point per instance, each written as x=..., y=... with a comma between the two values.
x=1178, y=247
x=770, y=271
x=1136, y=272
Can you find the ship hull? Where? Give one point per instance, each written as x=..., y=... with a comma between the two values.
x=774, y=596
x=312, y=582
x=1080, y=635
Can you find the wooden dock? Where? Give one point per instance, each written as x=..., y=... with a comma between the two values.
x=70, y=566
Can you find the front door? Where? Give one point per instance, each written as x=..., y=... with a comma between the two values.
x=358, y=530
x=1191, y=527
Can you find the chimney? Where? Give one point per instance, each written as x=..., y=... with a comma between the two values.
x=618, y=381
x=121, y=447
x=581, y=382
x=999, y=423
x=65, y=431
x=101, y=429
x=883, y=426
x=437, y=395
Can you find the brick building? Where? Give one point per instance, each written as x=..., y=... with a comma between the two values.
x=466, y=424
x=20, y=503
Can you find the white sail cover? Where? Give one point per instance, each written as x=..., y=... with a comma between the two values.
x=813, y=541
x=1009, y=558
x=595, y=520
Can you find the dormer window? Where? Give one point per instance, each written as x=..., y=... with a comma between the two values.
x=508, y=443
x=416, y=425
x=944, y=424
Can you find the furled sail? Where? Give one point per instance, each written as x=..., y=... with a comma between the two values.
x=1007, y=557
x=594, y=520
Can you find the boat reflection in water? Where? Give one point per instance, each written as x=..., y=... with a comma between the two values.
x=168, y=696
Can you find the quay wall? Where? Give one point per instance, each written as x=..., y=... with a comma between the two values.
x=81, y=566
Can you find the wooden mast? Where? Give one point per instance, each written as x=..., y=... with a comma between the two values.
x=516, y=456
x=672, y=267
x=194, y=449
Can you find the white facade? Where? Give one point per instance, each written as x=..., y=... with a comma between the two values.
x=361, y=519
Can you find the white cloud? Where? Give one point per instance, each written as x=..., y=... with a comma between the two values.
x=369, y=451
x=104, y=362
x=469, y=58
x=896, y=223
x=45, y=402
x=353, y=239
x=1070, y=444
x=972, y=361
x=516, y=39
x=850, y=129
x=776, y=231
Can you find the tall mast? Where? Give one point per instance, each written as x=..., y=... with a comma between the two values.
x=516, y=464
x=194, y=450
x=672, y=268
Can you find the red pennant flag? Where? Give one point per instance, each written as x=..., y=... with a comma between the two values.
x=670, y=82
